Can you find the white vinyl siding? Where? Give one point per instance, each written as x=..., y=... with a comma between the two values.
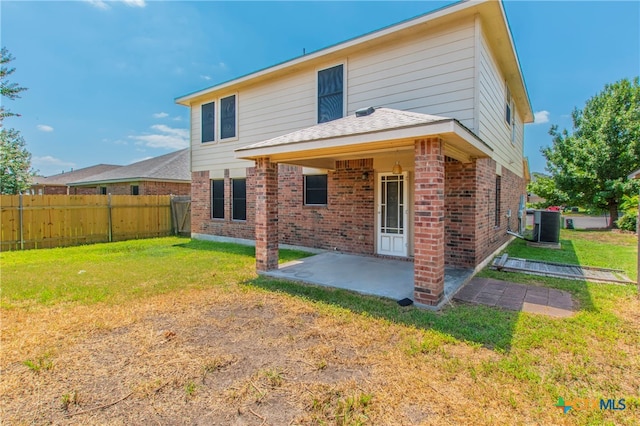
x=263, y=112
x=431, y=74
x=491, y=112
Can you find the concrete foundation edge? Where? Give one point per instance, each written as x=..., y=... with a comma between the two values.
x=246, y=242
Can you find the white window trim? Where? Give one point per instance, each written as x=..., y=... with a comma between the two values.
x=344, y=87
x=219, y=121
x=304, y=189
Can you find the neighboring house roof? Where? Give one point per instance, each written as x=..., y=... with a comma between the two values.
x=172, y=167
x=367, y=127
x=496, y=27
x=635, y=175
x=63, y=179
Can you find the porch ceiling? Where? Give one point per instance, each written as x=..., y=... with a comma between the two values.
x=383, y=131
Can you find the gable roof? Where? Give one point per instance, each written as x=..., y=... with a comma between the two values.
x=495, y=25
x=63, y=179
x=172, y=167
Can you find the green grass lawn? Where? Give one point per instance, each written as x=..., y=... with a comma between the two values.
x=117, y=272
x=509, y=366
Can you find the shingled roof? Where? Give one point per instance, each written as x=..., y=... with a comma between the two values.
x=172, y=167
x=377, y=119
x=62, y=179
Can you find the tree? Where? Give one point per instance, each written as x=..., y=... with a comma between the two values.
x=15, y=160
x=592, y=164
x=544, y=187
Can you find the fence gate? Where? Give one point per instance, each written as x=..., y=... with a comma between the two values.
x=181, y=215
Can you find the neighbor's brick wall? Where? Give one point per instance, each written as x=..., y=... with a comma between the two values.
x=346, y=223
x=144, y=188
x=55, y=190
x=82, y=190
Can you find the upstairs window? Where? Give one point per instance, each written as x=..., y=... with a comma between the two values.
x=208, y=122
x=228, y=117
x=315, y=190
x=330, y=93
x=217, y=199
x=239, y=203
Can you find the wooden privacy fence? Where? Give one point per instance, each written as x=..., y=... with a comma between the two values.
x=44, y=221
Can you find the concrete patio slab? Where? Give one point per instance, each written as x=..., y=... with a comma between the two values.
x=364, y=274
x=517, y=297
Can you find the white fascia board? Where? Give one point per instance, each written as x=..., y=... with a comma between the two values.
x=471, y=138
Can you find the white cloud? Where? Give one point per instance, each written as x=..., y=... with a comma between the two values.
x=135, y=3
x=100, y=4
x=48, y=165
x=177, y=118
x=205, y=77
x=164, y=137
x=44, y=128
x=160, y=115
x=104, y=4
x=48, y=160
x=541, y=117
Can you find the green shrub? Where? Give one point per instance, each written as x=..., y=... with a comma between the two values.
x=628, y=222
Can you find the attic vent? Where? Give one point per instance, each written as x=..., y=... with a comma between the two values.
x=362, y=112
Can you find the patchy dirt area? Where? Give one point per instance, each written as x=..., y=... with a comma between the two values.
x=246, y=358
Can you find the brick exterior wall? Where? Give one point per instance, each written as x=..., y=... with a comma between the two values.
x=471, y=233
x=266, y=214
x=489, y=237
x=201, y=221
x=429, y=220
x=460, y=220
x=347, y=222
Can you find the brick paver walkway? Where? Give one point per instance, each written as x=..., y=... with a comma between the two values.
x=517, y=297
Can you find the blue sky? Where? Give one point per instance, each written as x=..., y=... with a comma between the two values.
x=103, y=75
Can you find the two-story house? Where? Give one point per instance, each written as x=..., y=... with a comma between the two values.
x=407, y=142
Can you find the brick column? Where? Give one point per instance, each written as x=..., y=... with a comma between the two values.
x=266, y=222
x=429, y=222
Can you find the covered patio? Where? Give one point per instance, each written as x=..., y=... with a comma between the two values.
x=369, y=275
x=426, y=146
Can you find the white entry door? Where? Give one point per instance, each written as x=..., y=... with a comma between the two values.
x=392, y=214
